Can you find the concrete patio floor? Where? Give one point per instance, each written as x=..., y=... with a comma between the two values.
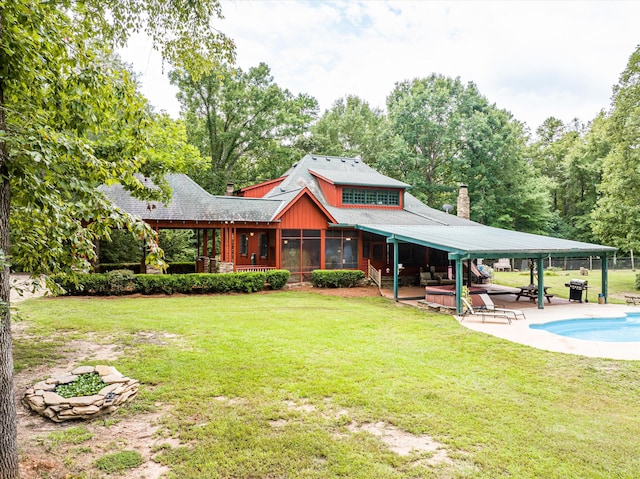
x=559, y=308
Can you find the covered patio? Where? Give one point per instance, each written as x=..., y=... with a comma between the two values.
x=466, y=243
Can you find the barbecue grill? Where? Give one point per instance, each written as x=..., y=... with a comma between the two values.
x=576, y=287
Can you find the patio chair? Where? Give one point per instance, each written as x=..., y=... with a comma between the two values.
x=489, y=305
x=483, y=312
x=503, y=264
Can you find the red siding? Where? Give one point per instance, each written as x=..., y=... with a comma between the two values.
x=261, y=189
x=331, y=192
x=304, y=214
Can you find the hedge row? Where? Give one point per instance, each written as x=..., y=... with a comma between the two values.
x=120, y=282
x=337, y=278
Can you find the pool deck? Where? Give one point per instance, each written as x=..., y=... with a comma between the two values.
x=520, y=332
x=559, y=308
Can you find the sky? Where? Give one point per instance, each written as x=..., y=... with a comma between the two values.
x=534, y=59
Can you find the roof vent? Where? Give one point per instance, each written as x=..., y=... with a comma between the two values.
x=343, y=160
x=283, y=189
x=295, y=164
x=328, y=159
x=356, y=161
x=314, y=158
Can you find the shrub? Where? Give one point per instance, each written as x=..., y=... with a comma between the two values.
x=125, y=282
x=82, y=284
x=120, y=281
x=638, y=281
x=338, y=278
x=277, y=278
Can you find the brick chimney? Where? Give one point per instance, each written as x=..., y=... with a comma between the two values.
x=229, y=191
x=463, y=208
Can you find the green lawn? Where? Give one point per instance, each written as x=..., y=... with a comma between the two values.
x=267, y=386
x=621, y=282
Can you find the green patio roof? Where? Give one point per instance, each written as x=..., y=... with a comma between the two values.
x=479, y=241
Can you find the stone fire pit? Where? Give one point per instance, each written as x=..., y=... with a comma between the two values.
x=43, y=399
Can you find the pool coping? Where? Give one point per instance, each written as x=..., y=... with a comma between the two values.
x=520, y=332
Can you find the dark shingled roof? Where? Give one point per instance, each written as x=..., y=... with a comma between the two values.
x=189, y=202
x=352, y=171
x=416, y=222
x=358, y=175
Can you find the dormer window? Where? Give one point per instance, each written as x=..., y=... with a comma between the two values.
x=366, y=196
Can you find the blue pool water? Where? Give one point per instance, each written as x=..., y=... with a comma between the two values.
x=618, y=330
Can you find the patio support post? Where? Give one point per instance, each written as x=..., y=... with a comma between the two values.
x=395, y=269
x=540, y=283
x=459, y=286
x=605, y=278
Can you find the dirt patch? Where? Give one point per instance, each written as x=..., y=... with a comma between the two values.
x=402, y=442
x=41, y=456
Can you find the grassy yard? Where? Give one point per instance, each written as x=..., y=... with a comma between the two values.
x=621, y=282
x=283, y=385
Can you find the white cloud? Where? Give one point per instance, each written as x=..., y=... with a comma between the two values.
x=535, y=59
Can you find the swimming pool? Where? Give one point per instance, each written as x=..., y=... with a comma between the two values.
x=619, y=330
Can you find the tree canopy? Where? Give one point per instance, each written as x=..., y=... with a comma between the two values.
x=243, y=122
x=71, y=118
x=617, y=214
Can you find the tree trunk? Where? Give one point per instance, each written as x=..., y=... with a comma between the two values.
x=8, y=418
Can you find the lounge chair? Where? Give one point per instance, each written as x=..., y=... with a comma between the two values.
x=490, y=306
x=483, y=312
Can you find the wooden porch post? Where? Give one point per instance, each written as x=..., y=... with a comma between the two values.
x=205, y=242
x=278, y=248
x=323, y=239
x=458, y=285
x=395, y=269
x=605, y=278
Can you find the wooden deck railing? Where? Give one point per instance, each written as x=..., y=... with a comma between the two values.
x=254, y=269
x=375, y=275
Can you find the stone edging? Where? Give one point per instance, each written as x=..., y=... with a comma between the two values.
x=42, y=398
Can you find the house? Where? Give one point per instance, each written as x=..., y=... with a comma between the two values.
x=331, y=212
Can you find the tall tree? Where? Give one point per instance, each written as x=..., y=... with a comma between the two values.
x=504, y=189
x=425, y=114
x=579, y=180
x=549, y=156
x=351, y=128
x=617, y=214
x=446, y=133
x=71, y=119
x=244, y=123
